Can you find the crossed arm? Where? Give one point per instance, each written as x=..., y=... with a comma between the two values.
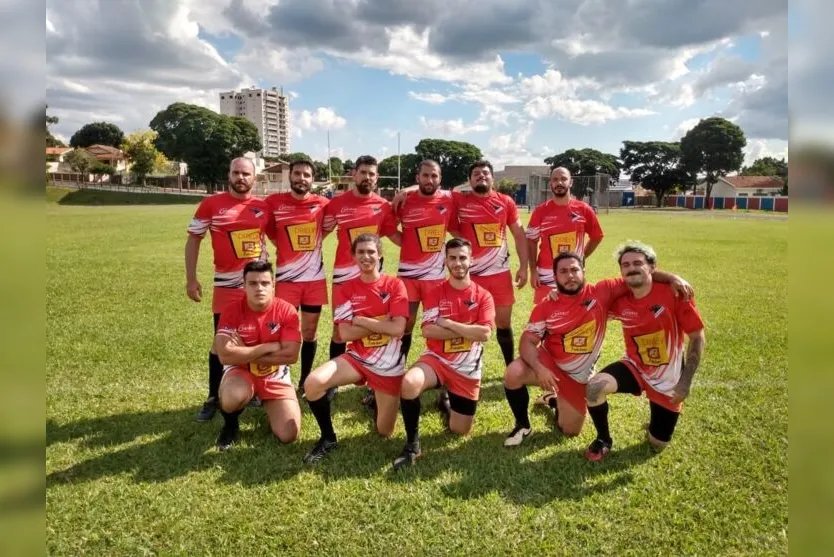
x=361, y=327
x=447, y=329
x=232, y=352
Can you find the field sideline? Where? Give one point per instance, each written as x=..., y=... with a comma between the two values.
x=129, y=471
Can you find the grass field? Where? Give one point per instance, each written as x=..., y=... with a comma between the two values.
x=129, y=471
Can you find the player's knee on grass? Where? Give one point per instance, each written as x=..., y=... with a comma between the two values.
x=412, y=384
x=286, y=431
x=514, y=375
x=570, y=428
x=460, y=425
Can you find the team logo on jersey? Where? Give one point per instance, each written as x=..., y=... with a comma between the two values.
x=588, y=304
x=497, y=208
x=657, y=310
x=470, y=303
x=273, y=327
x=376, y=210
x=257, y=212
x=441, y=209
x=575, y=217
x=384, y=296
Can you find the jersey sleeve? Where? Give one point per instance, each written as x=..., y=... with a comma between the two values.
x=342, y=308
x=389, y=221
x=328, y=222
x=537, y=325
x=431, y=307
x=486, y=310
x=592, y=228
x=229, y=321
x=688, y=316
x=608, y=290
x=399, y=300
x=533, y=232
x=202, y=218
x=290, y=328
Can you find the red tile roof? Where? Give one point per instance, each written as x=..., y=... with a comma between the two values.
x=57, y=150
x=754, y=182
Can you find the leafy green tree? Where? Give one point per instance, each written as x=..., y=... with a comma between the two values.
x=336, y=166
x=97, y=133
x=81, y=161
x=51, y=140
x=408, y=170
x=454, y=158
x=203, y=139
x=657, y=165
x=142, y=153
x=585, y=162
x=347, y=166
x=320, y=169
x=507, y=186
x=714, y=147
x=298, y=156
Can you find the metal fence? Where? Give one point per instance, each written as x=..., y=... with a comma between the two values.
x=593, y=190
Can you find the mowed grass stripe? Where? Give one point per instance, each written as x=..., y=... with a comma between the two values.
x=128, y=470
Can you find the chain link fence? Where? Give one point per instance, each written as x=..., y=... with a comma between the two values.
x=593, y=190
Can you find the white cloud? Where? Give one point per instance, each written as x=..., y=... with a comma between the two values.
x=583, y=112
x=431, y=98
x=758, y=148
x=454, y=127
x=322, y=118
x=684, y=127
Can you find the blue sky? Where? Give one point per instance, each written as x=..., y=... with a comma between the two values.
x=520, y=88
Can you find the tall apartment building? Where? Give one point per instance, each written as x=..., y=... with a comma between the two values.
x=268, y=109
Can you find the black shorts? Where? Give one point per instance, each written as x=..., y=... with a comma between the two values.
x=662, y=421
x=310, y=309
x=462, y=405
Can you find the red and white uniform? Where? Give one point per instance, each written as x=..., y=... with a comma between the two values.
x=484, y=221
x=424, y=221
x=382, y=299
x=352, y=215
x=297, y=232
x=655, y=328
x=560, y=228
x=238, y=228
x=277, y=323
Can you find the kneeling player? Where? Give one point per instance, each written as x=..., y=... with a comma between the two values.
x=561, y=343
x=458, y=317
x=370, y=312
x=257, y=339
x=655, y=326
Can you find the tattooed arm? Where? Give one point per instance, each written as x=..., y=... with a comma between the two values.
x=694, y=351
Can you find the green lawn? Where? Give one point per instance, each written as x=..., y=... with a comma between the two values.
x=128, y=471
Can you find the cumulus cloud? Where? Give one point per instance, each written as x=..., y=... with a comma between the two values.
x=450, y=128
x=322, y=118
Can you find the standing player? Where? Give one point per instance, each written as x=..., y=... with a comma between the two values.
x=424, y=217
x=655, y=326
x=561, y=224
x=299, y=271
x=458, y=317
x=483, y=218
x=370, y=311
x=257, y=340
x=237, y=221
x=357, y=211
x=562, y=342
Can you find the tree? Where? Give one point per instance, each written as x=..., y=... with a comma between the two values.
x=408, y=170
x=97, y=133
x=51, y=140
x=292, y=157
x=144, y=157
x=347, y=166
x=713, y=147
x=766, y=166
x=454, y=158
x=320, y=170
x=203, y=139
x=657, y=165
x=79, y=160
x=101, y=169
x=507, y=186
x=585, y=162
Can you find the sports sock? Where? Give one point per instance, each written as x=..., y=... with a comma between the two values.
x=505, y=341
x=519, y=399
x=599, y=414
x=411, y=418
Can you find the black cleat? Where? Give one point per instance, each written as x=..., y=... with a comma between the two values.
x=319, y=450
x=443, y=404
x=369, y=400
x=254, y=402
x=409, y=455
x=331, y=393
x=208, y=410
x=228, y=437
x=598, y=449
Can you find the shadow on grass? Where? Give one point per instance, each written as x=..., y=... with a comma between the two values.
x=108, y=197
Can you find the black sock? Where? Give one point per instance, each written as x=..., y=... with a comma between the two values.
x=321, y=411
x=505, y=341
x=308, y=354
x=411, y=418
x=336, y=349
x=215, y=374
x=230, y=419
x=406, y=346
x=600, y=416
x=519, y=399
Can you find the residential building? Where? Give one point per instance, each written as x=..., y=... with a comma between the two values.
x=743, y=186
x=268, y=110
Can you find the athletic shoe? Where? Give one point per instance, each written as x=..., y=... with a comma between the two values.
x=443, y=404
x=331, y=393
x=517, y=435
x=597, y=450
x=208, y=410
x=369, y=400
x=320, y=450
x=547, y=399
x=254, y=402
x=228, y=437
x=410, y=453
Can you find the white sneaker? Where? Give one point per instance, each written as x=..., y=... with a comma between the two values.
x=516, y=436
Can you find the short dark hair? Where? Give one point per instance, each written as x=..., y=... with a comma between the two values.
x=258, y=266
x=366, y=237
x=567, y=255
x=366, y=160
x=480, y=164
x=456, y=243
x=305, y=162
x=426, y=162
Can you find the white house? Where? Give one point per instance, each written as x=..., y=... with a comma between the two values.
x=743, y=186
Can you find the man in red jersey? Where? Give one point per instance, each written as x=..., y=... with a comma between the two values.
x=562, y=342
x=238, y=222
x=299, y=270
x=370, y=311
x=357, y=211
x=257, y=340
x=458, y=317
x=656, y=325
x=561, y=224
x=484, y=215
x=424, y=217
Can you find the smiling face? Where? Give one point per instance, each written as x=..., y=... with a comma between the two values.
x=366, y=256
x=636, y=269
x=480, y=179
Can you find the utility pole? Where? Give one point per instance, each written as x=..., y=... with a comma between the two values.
x=399, y=186
x=329, y=170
